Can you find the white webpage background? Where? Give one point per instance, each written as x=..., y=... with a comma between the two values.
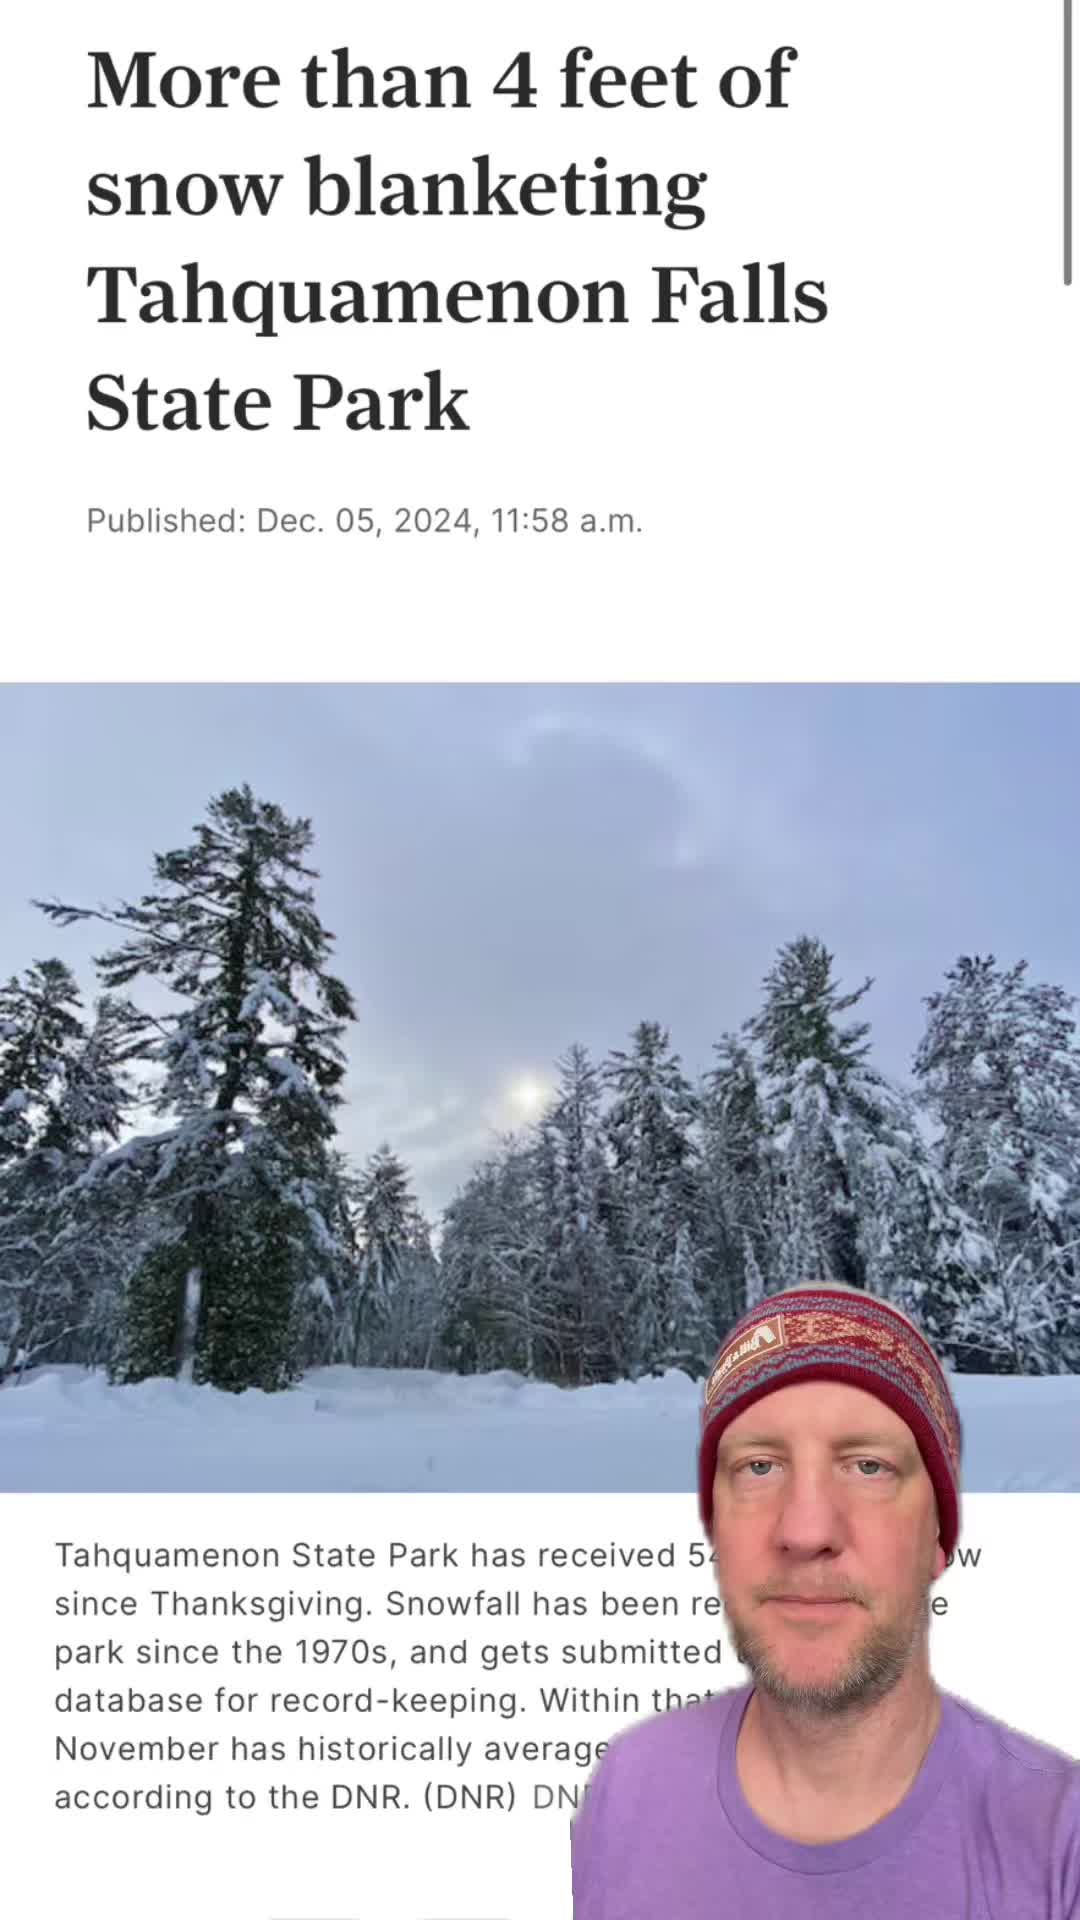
x=890, y=494
x=999, y=1645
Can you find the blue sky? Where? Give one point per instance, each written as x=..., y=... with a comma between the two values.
x=511, y=868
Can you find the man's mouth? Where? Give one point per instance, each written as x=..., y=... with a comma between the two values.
x=800, y=1600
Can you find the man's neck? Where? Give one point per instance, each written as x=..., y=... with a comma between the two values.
x=826, y=1779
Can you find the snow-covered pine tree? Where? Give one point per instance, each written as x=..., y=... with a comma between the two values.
x=89, y=1244
x=814, y=1228
x=999, y=1066
x=818, y=1086
x=464, y=1341
x=918, y=1248
x=394, y=1307
x=314, y=1191
x=800, y=1018
x=689, y=1343
x=520, y=1309
x=327, y=1285
x=249, y=1066
x=573, y=1193
x=383, y=1203
x=653, y=1187
x=59, y=1258
x=755, y=1282
x=735, y=1202
x=422, y=1314
x=497, y=1309
x=40, y=1022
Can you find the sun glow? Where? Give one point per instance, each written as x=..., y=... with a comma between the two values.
x=528, y=1095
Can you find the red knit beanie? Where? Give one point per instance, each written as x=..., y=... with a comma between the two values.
x=836, y=1333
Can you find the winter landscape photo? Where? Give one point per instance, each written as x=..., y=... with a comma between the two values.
x=405, y=1088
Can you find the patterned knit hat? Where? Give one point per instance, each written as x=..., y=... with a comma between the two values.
x=836, y=1333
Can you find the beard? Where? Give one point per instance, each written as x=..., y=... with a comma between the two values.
x=871, y=1669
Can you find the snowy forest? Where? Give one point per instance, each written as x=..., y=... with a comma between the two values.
x=175, y=1201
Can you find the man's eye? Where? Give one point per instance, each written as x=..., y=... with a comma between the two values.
x=881, y=1467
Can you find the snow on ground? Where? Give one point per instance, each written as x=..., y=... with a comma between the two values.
x=348, y=1430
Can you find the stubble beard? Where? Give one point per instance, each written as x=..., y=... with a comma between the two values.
x=873, y=1668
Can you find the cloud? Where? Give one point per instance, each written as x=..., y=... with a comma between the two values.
x=508, y=869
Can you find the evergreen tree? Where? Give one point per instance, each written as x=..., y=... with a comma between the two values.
x=814, y=1224
x=326, y=1298
x=754, y=1280
x=735, y=1201
x=689, y=1343
x=421, y=1302
x=395, y=1307
x=40, y=1023
x=382, y=1231
x=917, y=1246
x=59, y=1258
x=575, y=1201
x=1000, y=1069
x=520, y=1310
x=249, y=1067
x=468, y=1222
x=821, y=1095
x=499, y=1310
x=653, y=1191
x=799, y=1020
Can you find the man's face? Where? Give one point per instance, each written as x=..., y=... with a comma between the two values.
x=820, y=1489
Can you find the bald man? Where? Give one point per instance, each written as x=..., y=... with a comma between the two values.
x=840, y=1783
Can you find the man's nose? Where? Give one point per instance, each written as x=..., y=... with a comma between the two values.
x=812, y=1512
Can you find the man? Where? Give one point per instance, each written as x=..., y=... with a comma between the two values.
x=840, y=1783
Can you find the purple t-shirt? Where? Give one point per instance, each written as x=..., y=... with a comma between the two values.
x=989, y=1830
